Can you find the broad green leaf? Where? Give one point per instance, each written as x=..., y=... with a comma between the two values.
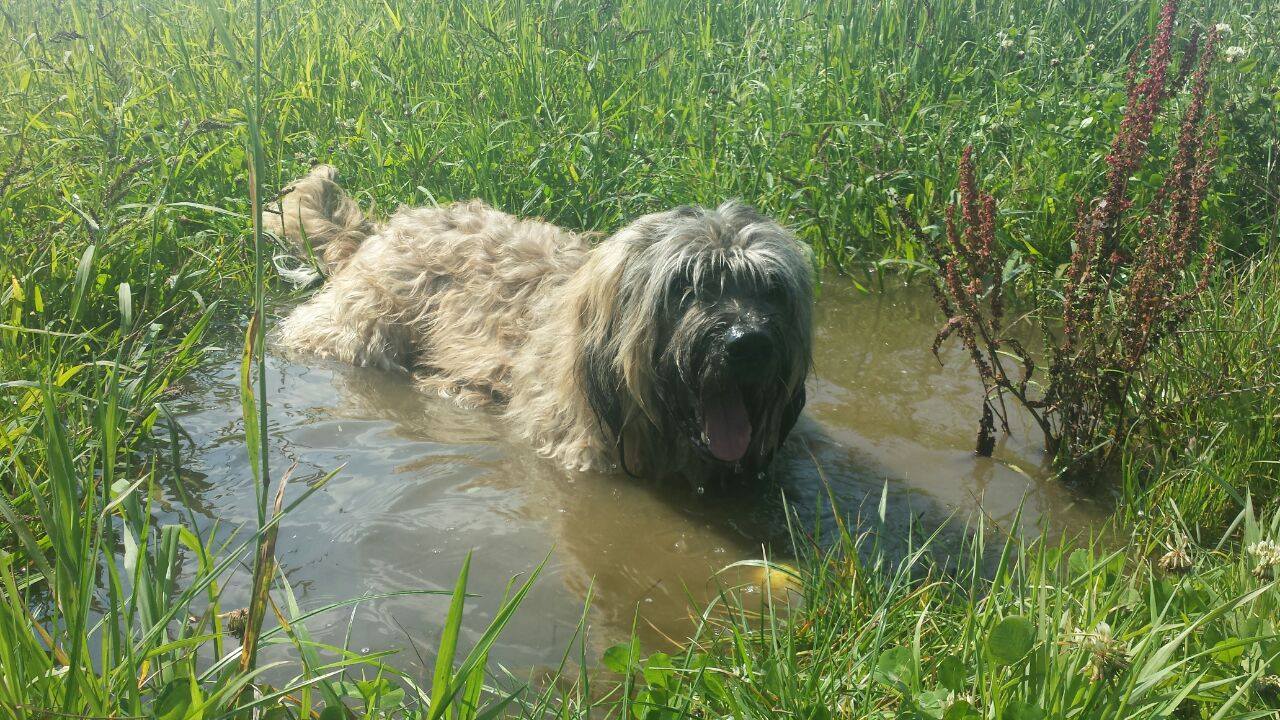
x=951, y=674
x=1019, y=710
x=621, y=657
x=895, y=666
x=1011, y=639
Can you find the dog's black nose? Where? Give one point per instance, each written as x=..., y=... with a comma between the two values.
x=749, y=350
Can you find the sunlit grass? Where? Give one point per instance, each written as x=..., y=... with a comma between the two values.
x=1216, y=430
x=1044, y=630
x=139, y=142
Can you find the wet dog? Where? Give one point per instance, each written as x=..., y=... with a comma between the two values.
x=678, y=346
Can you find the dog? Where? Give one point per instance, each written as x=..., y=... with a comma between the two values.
x=676, y=347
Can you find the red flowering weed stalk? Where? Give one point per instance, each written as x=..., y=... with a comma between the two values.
x=1126, y=285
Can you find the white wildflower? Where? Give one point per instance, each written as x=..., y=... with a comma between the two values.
x=1266, y=551
x=1089, y=48
x=1223, y=29
x=1006, y=43
x=1234, y=53
x=355, y=84
x=1097, y=639
x=1107, y=654
x=1177, y=561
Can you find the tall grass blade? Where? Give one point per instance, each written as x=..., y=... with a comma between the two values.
x=442, y=680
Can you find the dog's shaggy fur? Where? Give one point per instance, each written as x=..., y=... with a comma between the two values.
x=678, y=346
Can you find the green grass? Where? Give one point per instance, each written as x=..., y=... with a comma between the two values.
x=1050, y=631
x=589, y=113
x=1215, y=435
x=139, y=140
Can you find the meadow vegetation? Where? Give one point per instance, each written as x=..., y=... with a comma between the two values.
x=1133, y=272
x=139, y=141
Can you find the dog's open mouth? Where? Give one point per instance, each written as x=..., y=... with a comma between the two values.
x=726, y=422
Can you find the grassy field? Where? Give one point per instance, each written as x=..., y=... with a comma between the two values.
x=128, y=132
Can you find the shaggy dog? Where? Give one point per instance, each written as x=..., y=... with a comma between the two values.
x=678, y=347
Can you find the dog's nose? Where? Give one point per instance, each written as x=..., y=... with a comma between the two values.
x=749, y=350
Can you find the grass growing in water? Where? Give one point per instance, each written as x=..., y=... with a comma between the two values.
x=1053, y=632
x=126, y=141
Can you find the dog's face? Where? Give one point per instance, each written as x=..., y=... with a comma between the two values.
x=713, y=336
x=731, y=362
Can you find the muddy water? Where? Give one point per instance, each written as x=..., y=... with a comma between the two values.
x=424, y=482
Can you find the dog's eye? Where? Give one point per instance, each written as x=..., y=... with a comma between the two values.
x=679, y=292
x=776, y=292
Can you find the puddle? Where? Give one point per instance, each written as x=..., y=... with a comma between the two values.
x=425, y=482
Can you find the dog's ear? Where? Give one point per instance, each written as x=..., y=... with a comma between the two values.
x=594, y=294
x=791, y=413
x=602, y=385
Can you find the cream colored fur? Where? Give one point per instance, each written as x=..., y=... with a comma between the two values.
x=494, y=310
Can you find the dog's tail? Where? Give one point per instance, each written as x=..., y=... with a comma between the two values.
x=320, y=220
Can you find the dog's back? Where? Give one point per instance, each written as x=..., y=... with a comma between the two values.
x=448, y=292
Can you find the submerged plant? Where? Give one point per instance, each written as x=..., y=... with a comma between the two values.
x=1125, y=284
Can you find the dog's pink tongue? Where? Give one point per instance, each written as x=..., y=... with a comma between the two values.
x=726, y=424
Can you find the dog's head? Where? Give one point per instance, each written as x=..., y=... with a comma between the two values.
x=706, y=349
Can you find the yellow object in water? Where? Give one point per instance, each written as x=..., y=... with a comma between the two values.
x=780, y=579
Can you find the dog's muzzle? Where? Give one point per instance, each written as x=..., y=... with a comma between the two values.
x=735, y=397
x=750, y=354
